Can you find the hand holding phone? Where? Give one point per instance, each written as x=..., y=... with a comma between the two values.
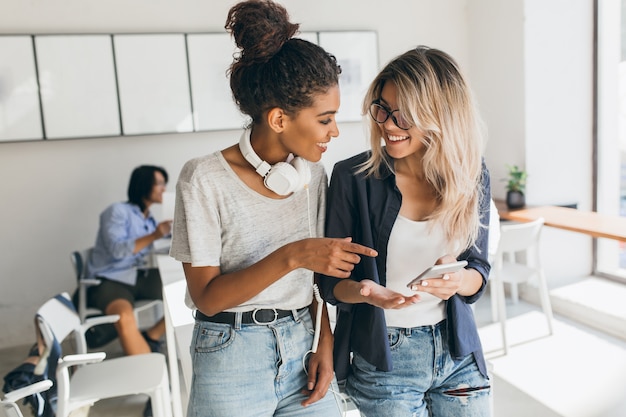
x=438, y=271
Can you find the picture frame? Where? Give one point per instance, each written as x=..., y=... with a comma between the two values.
x=59, y=86
x=78, y=86
x=20, y=115
x=357, y=54
x=210, y=55
x=153, y=83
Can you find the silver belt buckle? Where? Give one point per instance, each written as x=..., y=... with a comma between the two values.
x=256, y=310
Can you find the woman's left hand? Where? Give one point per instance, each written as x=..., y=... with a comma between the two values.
x=445, y=286
x=321, y=371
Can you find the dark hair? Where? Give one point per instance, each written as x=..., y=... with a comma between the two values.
x=273, y=69
x=141, y=183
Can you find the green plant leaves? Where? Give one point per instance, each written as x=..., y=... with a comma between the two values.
x=517, y=179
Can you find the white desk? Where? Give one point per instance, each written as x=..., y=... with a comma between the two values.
x=179, y=324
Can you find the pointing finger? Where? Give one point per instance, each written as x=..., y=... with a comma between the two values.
x=363, y=250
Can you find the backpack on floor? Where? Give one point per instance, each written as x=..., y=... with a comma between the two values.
x=42, y=404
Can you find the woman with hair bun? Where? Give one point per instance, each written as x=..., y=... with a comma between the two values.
x=247, y=228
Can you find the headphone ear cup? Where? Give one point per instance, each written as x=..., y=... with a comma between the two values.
x=283, y=178
x=304, y=173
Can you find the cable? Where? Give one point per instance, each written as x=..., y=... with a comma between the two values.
x=308, y=209
x=318, y=318
x=316, y=338
x=316, y=290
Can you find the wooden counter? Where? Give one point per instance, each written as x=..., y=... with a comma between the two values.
x=588, y=222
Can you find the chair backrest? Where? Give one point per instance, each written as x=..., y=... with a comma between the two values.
x=56, y=320
x=79, y=262
x=494, y=230
x=518, y=237
x=79, y=259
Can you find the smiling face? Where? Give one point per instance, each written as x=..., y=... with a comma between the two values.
x=400, y=143
x=308, y=133
x=158, y=188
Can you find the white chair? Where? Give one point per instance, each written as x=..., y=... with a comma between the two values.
x=492, y=251
x=79, y=261
x=8, y=405
x=85, y=378
x=509, y=267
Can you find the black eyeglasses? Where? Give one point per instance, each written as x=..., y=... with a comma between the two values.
x=380, y=114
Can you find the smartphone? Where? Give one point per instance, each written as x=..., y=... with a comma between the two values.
x=438, y=271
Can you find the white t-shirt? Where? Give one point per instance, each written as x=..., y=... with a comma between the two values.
x=412, y=248
x=220, y=221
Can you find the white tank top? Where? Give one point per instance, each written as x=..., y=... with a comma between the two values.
x=412, y=248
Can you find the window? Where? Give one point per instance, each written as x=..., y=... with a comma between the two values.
x=610, y=139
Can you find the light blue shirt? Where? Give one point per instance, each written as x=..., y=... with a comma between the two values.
x=112, y=257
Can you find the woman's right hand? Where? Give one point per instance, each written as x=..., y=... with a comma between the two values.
x=331, y=256
x=213, y=291
x=164, y=228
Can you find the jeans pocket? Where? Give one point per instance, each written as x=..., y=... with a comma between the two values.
x=395, y=338
x=211, y=337
x=361, y=364
x=307, y=322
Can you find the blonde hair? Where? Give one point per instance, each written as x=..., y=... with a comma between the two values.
x=434, y=96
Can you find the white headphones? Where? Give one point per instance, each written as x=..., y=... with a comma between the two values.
x=282, y=178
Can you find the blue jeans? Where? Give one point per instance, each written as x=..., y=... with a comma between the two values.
x=425, y=380
x=254, y=370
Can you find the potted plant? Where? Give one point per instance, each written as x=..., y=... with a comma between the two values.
x=515, y=187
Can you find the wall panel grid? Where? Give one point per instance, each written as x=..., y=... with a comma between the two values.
x=104, y=85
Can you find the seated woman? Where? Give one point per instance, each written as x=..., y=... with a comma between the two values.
x=120, y=259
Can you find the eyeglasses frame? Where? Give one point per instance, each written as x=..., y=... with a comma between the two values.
x=389, y=114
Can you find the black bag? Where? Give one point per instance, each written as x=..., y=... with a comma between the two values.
x=100, y=335
x=20, y=377
x=42, y=404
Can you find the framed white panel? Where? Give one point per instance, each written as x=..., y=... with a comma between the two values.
x=210, y=55
x=357, y=53
x=20, y=117
x=78, y=88
x=153, y=83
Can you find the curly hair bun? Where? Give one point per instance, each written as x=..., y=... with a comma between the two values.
x=260, y=28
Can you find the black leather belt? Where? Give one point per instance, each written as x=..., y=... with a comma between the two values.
x=262, y=316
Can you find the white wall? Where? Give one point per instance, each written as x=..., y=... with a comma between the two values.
x=531, y=67
x=53, y=191
x=558, y=128
x=497, y=74
x=611, y=122
x=558, y=65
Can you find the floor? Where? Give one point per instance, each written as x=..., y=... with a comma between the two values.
x=576, y=372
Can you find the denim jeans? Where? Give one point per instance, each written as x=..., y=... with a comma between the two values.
x=254, y=370
x=425, y=380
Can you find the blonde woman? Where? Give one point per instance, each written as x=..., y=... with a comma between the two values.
x=420, y=197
